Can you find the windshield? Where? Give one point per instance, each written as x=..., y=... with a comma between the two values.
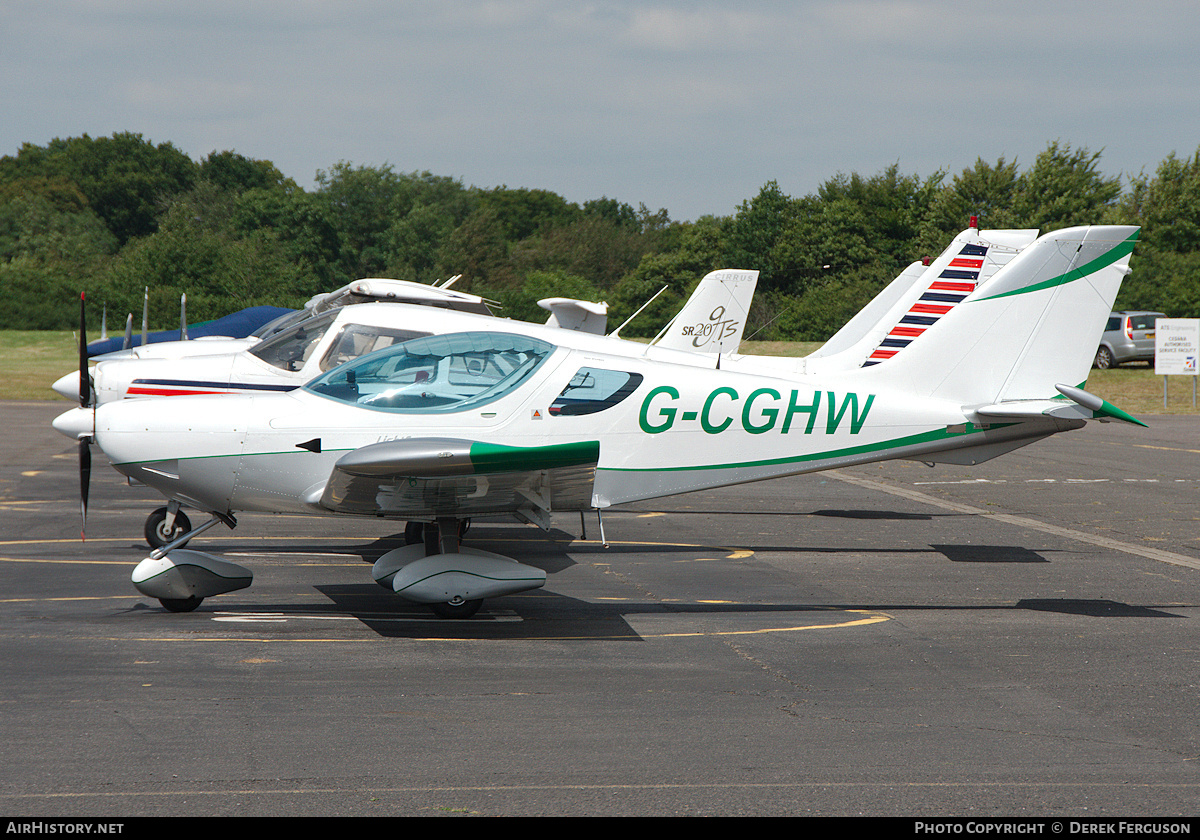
x=281, y=323
x=356, y=340
x=440, y=373
x=291, y=348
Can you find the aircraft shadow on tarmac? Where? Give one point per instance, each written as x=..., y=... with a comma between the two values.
x=545, y=614
x=839, y=514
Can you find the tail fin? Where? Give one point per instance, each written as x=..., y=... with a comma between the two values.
x=855, y=331
x=714, y=318
x=1034, y=325
x=918, y=298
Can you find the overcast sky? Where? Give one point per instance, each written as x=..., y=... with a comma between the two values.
x=688, y=106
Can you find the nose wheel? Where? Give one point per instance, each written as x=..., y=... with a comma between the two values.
x=162, y=527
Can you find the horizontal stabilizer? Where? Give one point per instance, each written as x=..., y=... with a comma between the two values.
x=571, y=314
x=1101, y=409
x=1079, y=405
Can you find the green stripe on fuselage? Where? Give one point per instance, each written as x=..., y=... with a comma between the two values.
x=933, y=436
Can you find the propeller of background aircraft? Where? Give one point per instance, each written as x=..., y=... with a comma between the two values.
x=85, y=399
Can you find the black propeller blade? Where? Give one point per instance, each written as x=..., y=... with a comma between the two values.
x=85, y=382
x=85, y=399
x=85, y=478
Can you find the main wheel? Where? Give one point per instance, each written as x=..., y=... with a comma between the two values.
x=181, y=605
x=414, y=532
x=464, y=610
x=1104, y=359
x=156, y=531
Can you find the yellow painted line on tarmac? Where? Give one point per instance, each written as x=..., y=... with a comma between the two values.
x=1164, y=448
x=860, y=622
x=734, y=553
x=73, y=598
x=875, y=618
x=67, y=562
x=58, y=540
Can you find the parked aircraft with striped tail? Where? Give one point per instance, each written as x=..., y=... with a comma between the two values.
x=440, y=429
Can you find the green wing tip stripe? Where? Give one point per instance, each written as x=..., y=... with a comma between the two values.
x=1110, y=410
x=1099, y=406
x=492, y=457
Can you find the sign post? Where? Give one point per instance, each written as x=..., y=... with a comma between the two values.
x=1176, y=350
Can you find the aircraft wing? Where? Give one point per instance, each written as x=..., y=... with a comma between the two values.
x=424, y=478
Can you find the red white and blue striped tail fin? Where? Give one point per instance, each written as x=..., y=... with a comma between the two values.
x=889, y=323
x=1034, y=325
x=970, y=261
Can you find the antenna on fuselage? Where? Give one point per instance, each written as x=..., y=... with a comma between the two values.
x=146, y=317
x=614, y=333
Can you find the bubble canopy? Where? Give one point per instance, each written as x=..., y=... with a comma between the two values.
x=436, y=374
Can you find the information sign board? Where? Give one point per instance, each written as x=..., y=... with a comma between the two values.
x=1176, y=346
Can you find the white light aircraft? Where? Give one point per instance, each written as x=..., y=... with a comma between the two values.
x=712, y=321
x=440, y=429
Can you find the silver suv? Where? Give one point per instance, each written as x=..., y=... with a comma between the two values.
x=1128, y=337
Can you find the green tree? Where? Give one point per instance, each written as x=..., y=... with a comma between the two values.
x=52, y=247
x=303, y=228
x=199, y=250
x=521, y=304
x=237, y=173
x=678, y=269
x=619, y=213
x=524, y=212
x=1063, y=188
x=478, y=250
x=592, y=247
x=752, y=234
x=1166, y=206
x=125, y=178
x=380, y=216
x=984, y=190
